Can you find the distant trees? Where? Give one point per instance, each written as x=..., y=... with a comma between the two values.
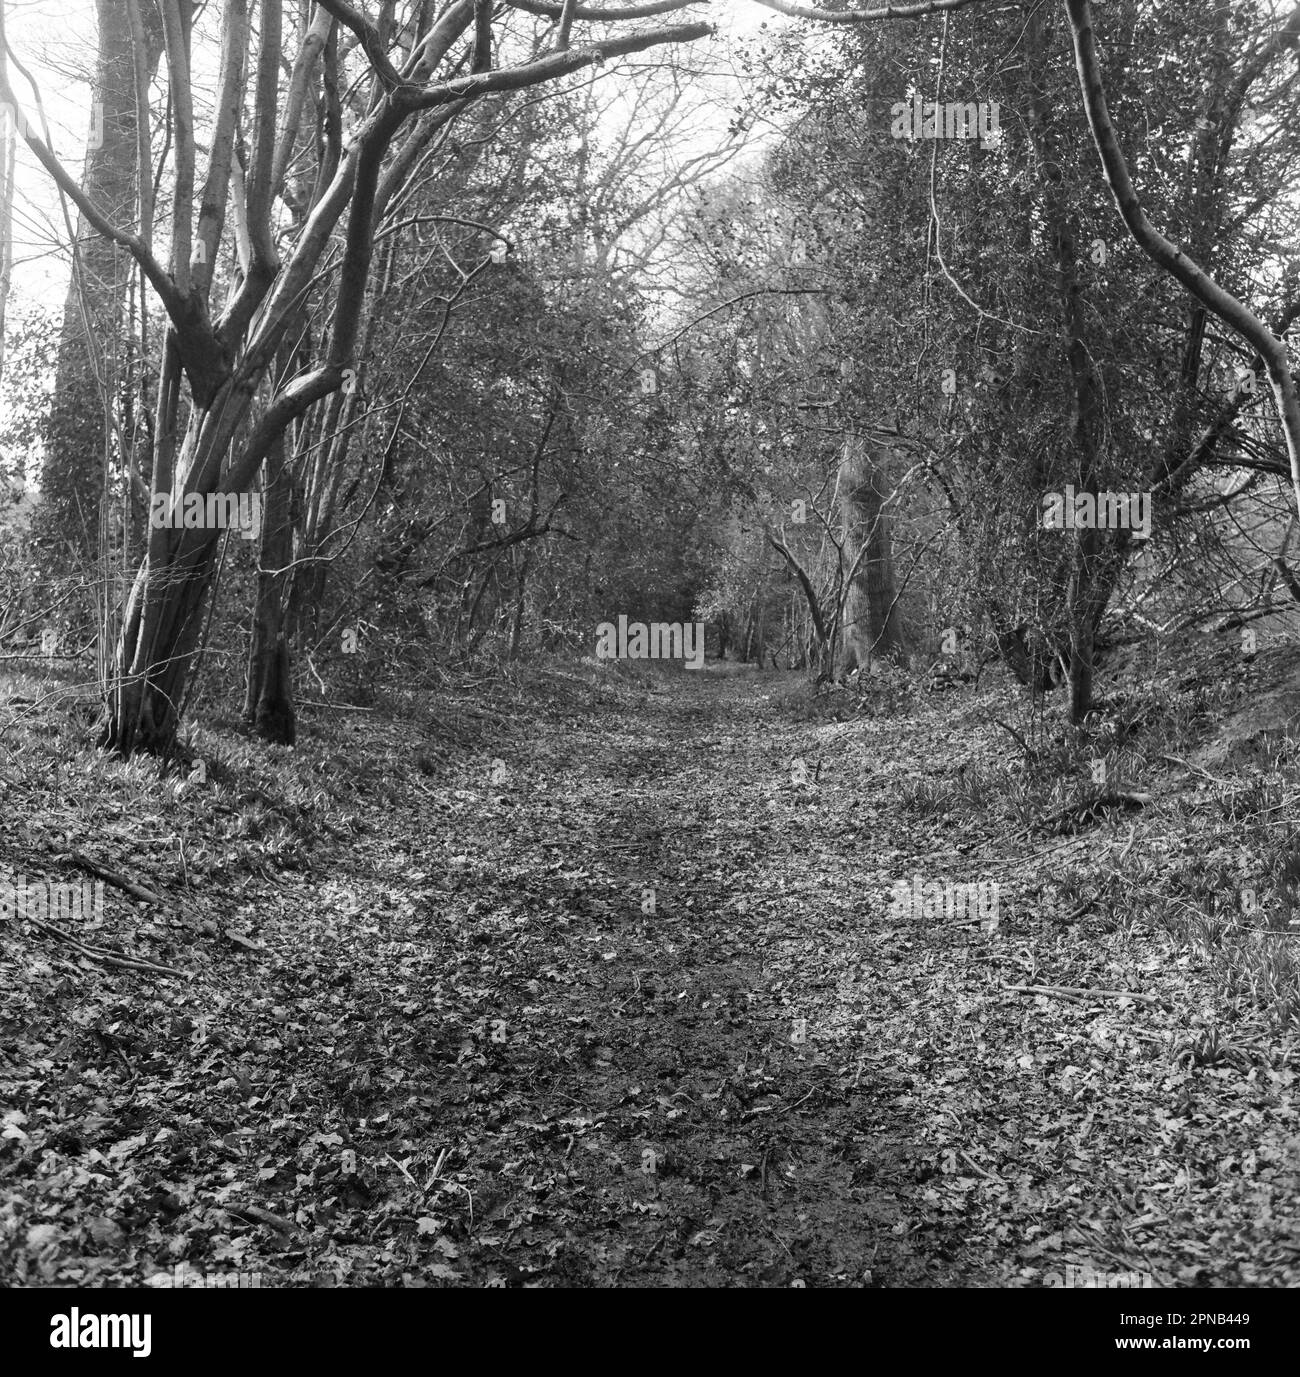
x=1001, y=332
x=99, y=347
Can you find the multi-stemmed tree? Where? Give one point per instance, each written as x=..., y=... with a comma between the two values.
x=222, y=408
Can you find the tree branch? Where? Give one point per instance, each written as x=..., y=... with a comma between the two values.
x=1168, y=255
x=732, y=301
x=176, y=35
x=647, y=11
x=433, y=47
x=912, y=11
x=482, y=61
x=94, y=217
x=1287, y=577
x=566, y=26
x=313, y=44
x=809, y=592
x=216, y=185
x=368, y=36
x=546, y=68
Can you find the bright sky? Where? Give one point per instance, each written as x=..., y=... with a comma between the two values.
x=55, y=42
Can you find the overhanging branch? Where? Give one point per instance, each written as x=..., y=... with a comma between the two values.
x=914, y=11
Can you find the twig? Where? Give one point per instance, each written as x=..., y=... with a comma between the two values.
x=261, y=1216
x=1079, y=813
x=107, y=957
x=1024, y=745
x=1196, y=769
x=975, y=1166
x=437, y=1167
x=1132, y=837
x=1059, y=994
x=456, y=1185
x=404, y=1171
x=114, y=877
x=1077, y=992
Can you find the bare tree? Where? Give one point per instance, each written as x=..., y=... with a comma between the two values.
x=215, y=442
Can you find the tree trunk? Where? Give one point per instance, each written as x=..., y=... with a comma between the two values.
x=873, y=623
x=517, y=630
x=77, y=434
x=1091, y=575
x=268, y=704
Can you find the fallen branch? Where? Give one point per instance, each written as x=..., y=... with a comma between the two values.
x=1078, y=992
x=1079, y=813
x=261, y=1216
x=1196, y=769
x=975, y=1166
x=115, y=878
x=1024, y=745
x=1132, y=837
x=1058, y=994
x=447, y=1181
x=107, y=957
x=404, y=1172
x=1076, y=912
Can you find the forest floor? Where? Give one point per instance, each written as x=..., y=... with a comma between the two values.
x=609, y=987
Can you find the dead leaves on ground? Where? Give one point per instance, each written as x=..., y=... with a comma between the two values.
x=464, y=1048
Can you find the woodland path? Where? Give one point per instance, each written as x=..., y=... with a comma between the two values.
x=929, y=1129
x=783, y=1150
x=463, y=1053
